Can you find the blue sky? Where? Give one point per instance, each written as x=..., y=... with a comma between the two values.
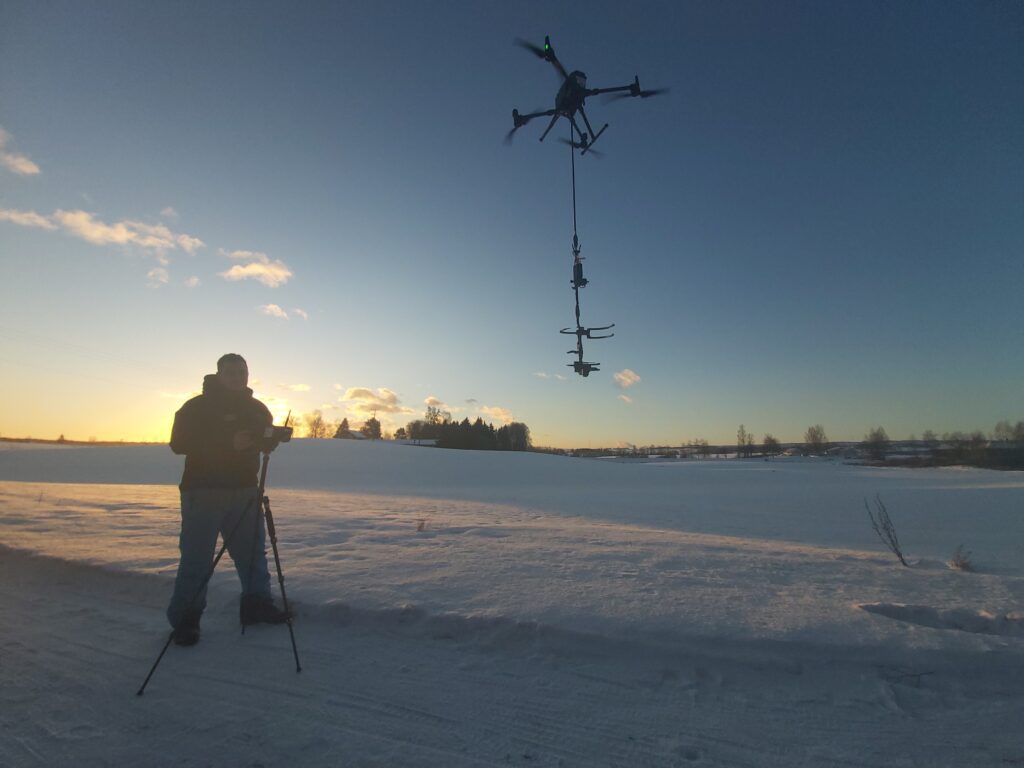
x=822, y=222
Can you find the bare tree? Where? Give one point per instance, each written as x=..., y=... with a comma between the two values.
x=771, y=445
x=741, y=441
x=316, y=426
x=815, y=439
x=876, y=443
x=884, y=527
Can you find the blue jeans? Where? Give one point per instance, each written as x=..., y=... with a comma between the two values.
x=205, y=512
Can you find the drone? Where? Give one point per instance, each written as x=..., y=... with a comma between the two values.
x=570, y=98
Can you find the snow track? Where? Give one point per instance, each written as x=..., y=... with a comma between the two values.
x=389, y=689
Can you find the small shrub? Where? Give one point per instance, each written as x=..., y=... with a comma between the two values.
x=961, y=559
x=884, y=527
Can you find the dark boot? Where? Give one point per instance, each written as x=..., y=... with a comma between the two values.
x=260, y=609
x=187, y=631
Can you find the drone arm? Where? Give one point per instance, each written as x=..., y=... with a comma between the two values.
x=617, y=89
x=521, y=120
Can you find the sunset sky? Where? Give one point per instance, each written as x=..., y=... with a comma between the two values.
x=822, y=222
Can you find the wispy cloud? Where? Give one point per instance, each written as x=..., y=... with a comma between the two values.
x=192, y=282
x=273, y=310
x=560, y=377
x=541, y=375
x=152, y=237
x=626, y=378
x=472, y=401
x=296, y=387
x=158, y=276
x=301, y=313
x=504, y=415
x=626, y=398
x=364, y=401
x=156, y=239
x=169, y=213
x=188, y=243
x=26, y=219
x=259, y=267
x=14, y=162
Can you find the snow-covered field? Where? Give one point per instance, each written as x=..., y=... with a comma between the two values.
x=462, y=609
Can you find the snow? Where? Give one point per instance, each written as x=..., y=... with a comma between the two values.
x=472, y=608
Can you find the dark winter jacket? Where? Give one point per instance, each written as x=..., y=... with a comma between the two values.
x=204, y=429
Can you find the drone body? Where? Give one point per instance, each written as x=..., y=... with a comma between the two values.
x=570, y=99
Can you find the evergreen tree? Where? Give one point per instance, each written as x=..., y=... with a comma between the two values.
x=342, y=432
x=371, y=429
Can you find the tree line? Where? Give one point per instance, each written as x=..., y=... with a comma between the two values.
x=1003, y=448
x=436, y=425
x=478, y=435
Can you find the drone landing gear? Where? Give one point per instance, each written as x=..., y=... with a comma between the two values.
x=590, y=144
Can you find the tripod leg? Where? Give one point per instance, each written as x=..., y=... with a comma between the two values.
x=280, y=577
x=256, y=524
x=192, y=603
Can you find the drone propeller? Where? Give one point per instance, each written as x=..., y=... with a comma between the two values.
x=547, y=53
x=577, y=145
x=518, y=121
x=536, y=50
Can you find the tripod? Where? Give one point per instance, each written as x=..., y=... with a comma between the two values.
x=264, y=503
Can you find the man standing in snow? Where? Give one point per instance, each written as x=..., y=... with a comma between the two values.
x=217, y=432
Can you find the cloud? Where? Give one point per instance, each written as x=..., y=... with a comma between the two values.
x=26, y=219
x=14, y=162
x=434, y=402
x=189, y=244
x=560, y=377
x=296, y=387
x=472, y=401
x=626, y=378
x=301, y=313
x=626, y=398
x=365, y=401
x=169, y=213
x=243, y=255
x=273, y=311
x=260, y=267
x=192, y=282
x=504, y=415
x=152, y=237
x=155, y=238
x=541, y=375
x=158, y=276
